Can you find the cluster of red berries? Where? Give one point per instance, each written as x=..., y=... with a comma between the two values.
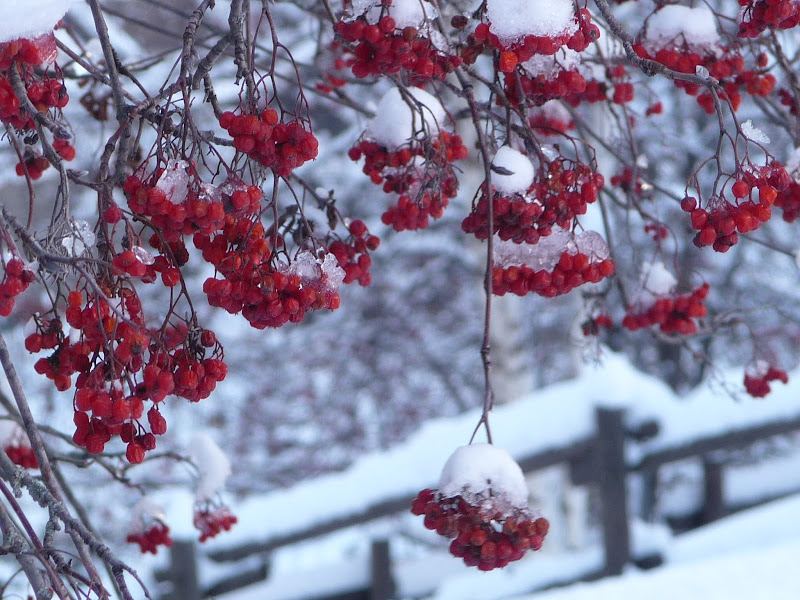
x=352, y=253
x=721, y=222
x=212, y=520
x=187, y=207
x=592, y=325
x=43, y=91
x=425, y=187
x=22, y=455
x=658, y=231
x=334, y=73
x=559, y=193
x=547, y=125
x=675, y=314
x=149, y=540
x=624, y=181
x=281, y=147
x=727, y=67
x=540, y=88
x=759, y=15
x=267, y=293
x=623, y=88
x=788, y=200
x=483, y=536
x=757, y=383
x=17, y=279
x=383, y=48
x=110, y=354
x=571, y=271
x=523, y=50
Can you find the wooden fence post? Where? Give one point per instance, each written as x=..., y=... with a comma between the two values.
x=611, y=474
x=714, y=497
x=383, y=586
x=182, y=572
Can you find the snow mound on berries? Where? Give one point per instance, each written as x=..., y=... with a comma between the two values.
x=213, y=467
x=144, y=514
x=174, y=181
x=480, y=468
x=520, y=171
x=397, y=122
x=30, y=18
x=698, y=26
x=514, y=19
x=656, y=282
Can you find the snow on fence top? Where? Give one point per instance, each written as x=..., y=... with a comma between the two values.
x=30, y=18
x=554, y=417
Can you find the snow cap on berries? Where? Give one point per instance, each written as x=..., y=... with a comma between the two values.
x=397, y=122
x=514, y=19
x=145, y=513
x=213, y=466
x=512, y=171
x=481, y=468
x=697, y=26
x=30, y=18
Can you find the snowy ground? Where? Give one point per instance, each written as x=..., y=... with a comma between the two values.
x=743, y=556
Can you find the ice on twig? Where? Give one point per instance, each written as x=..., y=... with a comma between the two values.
x=143, y=255
x=81, y=239
x=754, y=133
x=335, y=274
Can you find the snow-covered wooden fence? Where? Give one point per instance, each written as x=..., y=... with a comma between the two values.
x=602, y=460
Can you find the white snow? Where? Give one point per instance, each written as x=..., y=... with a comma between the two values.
x=550, y=66
x=144, y=514
x=675, y=23
x=520, y=168
x=397, y=122
x=411, y=13
x=656, y=282
x=174, y=181
x=514, y=19
x=754, y=133
x=213, y=467
x=335, y=273
x=483, y=468
x=545, y=254
x=30, y=18
x=792, y=165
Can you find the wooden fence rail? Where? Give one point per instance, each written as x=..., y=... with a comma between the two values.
x=598, y=460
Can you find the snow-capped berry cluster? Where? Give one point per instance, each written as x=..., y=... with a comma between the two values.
x=482, y=503
x=352, y=253
x=254, y=282
x=384, y=46
x=553, y=266
x=406, y=149
x=551, y=119
x=543, y=78
x=760, y=15
x=150, y=539
x=213, y=520
x=788, y=200
x=16, y=279
x=560, y=191
x=758, y=377
x=657, y=304
x=425, y=187
x=281, y=147
x=177, y=202
x=534, y=28
x=120, y=365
